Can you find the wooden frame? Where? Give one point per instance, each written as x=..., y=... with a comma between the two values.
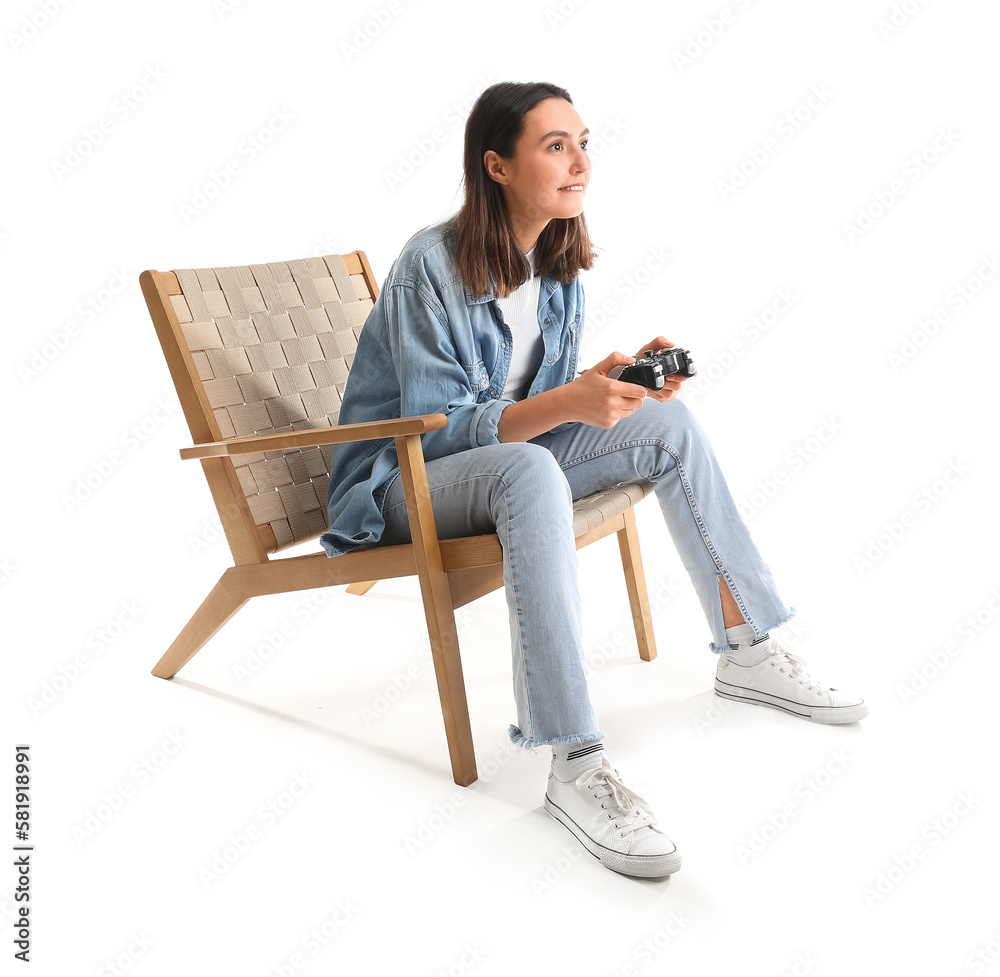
x=451, y=572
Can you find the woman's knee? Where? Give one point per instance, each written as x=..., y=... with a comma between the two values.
x=531, y=461
x=673, y=422
x=673, y=412
x=533, y=470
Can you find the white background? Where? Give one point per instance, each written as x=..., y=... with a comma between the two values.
x=869, y=483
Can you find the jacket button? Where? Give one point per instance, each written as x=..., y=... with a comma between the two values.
x=503, y=345
x=548, y=320
x=550, y=359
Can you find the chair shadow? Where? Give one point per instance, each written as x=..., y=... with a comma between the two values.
x=409, y=759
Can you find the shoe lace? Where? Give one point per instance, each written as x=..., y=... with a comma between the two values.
x=798, y=667
x=626, y=804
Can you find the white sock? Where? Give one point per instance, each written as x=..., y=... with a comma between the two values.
x=572, y=760
x=745, y=647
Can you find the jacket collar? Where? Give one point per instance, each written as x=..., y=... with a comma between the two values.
x=548, y=283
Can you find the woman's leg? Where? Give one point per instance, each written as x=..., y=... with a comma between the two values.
x=518, y=491
x=662, y=442
x=731, y=615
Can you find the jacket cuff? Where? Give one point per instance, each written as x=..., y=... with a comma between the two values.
x=488, y=421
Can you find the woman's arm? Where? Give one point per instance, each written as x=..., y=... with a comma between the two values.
x=592, y=398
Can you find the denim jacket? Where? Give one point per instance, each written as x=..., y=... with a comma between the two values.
x=429, y=346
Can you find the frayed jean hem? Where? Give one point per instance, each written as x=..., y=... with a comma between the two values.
x=519, y=739
x=725, y=649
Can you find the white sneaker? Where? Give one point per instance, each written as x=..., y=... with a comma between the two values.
x=612, y=822
x=781, y=681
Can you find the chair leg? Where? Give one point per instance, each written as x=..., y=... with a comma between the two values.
x=361, y=588
x=217, y=608
x=440, y=616
x=635, y=580
x=439, y=609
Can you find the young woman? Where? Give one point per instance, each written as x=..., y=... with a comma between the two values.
x=480, y=319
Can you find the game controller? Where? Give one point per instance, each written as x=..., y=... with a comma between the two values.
x=650, y=369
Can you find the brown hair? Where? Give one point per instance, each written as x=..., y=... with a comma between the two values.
x=484, y=243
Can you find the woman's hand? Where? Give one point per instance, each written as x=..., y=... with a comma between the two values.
x=594, y=398
x=672, y=383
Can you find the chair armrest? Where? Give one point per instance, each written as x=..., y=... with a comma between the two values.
x=311, y=437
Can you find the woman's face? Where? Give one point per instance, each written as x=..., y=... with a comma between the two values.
x=548, y=174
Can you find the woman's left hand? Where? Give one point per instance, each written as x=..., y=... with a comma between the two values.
x=672, y=383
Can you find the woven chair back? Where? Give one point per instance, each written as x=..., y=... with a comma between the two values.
x=273, y=345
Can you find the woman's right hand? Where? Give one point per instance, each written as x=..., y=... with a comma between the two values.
x=594, y=398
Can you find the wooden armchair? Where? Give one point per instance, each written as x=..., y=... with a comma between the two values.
x=259, y=356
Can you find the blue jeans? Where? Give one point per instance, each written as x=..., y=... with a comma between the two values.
x=524, y=492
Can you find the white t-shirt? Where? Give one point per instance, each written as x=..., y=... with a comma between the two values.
x=520, y=312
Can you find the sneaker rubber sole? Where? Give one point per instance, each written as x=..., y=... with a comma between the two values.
x=831, y=715
x=641, y=866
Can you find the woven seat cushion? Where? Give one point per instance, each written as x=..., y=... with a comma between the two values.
x=594, y=510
